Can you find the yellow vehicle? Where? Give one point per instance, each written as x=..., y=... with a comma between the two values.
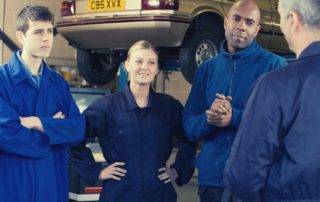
x=186, y=30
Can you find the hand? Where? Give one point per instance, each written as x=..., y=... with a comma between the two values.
x=218, y=101
x=220, y=112
x=31, y=122
x=168, y=174
x=113, y=172
x=59, y=115
x=218, y=119
x=221, y=96
x=221, y=104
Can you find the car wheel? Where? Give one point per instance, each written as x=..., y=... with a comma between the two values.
x=197, y=48
x=97, y=68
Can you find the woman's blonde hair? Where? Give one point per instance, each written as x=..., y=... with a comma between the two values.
x=142, y=44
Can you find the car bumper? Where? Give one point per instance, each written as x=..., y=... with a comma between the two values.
x=162, y=31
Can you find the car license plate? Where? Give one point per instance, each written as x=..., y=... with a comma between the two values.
x=105, y=5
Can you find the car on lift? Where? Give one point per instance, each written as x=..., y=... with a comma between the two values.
x=186, y=30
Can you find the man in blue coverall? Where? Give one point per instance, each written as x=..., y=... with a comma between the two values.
x=38, y=117
x=275, y=156
x=219, y=91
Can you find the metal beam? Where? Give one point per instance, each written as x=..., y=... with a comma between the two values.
x=1, y=28
x=6, y=40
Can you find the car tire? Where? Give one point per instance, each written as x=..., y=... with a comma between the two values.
x=97, y=68
x=198, y=47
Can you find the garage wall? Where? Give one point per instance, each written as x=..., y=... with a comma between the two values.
x=176, y=86
x=61, y=53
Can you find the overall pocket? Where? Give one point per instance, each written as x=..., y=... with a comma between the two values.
x=122, y=142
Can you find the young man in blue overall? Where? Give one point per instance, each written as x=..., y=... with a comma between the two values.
x=38, y=117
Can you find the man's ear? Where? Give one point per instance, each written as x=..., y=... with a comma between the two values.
x=295, y=21
x=225, y=23
x=20, y=36
x=257, y=31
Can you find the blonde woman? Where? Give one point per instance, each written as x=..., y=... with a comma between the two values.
x=136, y=128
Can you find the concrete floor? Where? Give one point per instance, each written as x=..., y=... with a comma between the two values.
x=188, y=192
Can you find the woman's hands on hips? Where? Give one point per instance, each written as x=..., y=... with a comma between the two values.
x=167, y=174
x=113, y=171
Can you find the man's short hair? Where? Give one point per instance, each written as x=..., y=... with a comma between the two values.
x=33, y=13
x=309, y=11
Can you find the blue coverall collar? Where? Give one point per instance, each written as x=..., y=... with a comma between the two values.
x=19, y=73
x=312, y=49
x=131, y=103
x=251, y=49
